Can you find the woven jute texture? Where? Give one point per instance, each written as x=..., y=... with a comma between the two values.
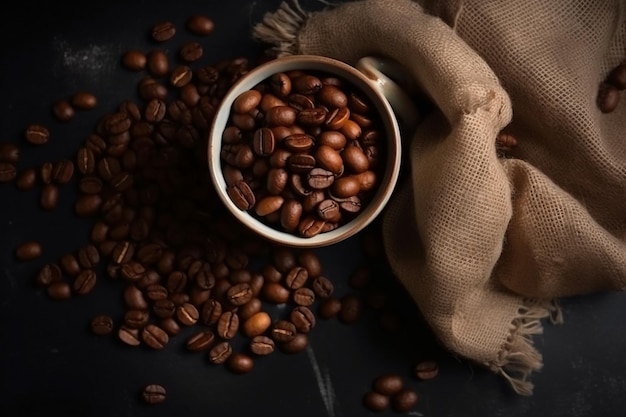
x=487, y=243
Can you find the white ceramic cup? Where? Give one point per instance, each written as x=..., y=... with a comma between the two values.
x=378, y=90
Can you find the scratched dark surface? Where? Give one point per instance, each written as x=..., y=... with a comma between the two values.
x=51, y=365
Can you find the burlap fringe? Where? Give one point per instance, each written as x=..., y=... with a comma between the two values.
x=518, y=358
x=281, y=28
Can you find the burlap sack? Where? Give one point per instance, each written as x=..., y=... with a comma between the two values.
x=494, y=241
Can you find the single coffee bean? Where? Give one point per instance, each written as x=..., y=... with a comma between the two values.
x=62, y=171
x=220, y=353
x=608, y=98
x=59, y=290
x=37, y=134
x=136, y=319
x=298, y=142
x=329, y=308
x=375, y=401
x=26, y=180
x=290, y=214
x=328, y=210
x=88, y=256
x=263, y=142
x=280, y=116
x=351, y=308
x=307, y=84
x=154, y=336
x=388, y=384
x=63, y=110
x=200, y=25
x=87, y=205
x=280, y=84
x=181, y=76
x=132, y=271
x=210, y=312
x=102, y=325
x=311, y=117
x=129, y=336
x=156, y=292
x=45, y=172
x=49, y=197
x=157, y=63
x=262, y=345
x=191, y=51
x=283, y=331
x=240, y=363
x=123, y=252
x=296, y=277
x=322, y=287
x=228, y=325
x=304, y=297
x=170, y=326
x=303, y=318
x=296, y=345
x=28, y=251
x=153, y=394
x=275, y=293
x=426, y=370
x=134, y=298
x=9, y=153
x=164, y=308
x=86, y=161
x=310, y=226
x=134, y=60
x=201, y=341
x=48, y=274
x=69, y=264
x=84, y=282
x=187, y=314
x=163, y=31
x=241, y=194
x=257, y=324
x=84, y=100
x=404, y=401
x=239, y=294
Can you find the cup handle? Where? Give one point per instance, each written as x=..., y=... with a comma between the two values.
x=382, y=72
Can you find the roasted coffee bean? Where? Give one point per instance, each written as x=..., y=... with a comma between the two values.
x=176, y=282
x=84, y=282
x=134, y=60
x=280, y=116
x=246, y=102
x=69, y=264
x=134, y=298
x=210, y=312
x=37, y=134
x=296, y=277
x=404, y=401
x=88, y=256
x=304, y=297
x=310, y=226
x=241, y=195
x=149, y=253
x=311, y=117
x=163, y=31
x=156, y=292
x=290, y=214
x=84, y=100
x=262, y=345
x=297, y=344
x=86, y=161
x=87, y=205
x=191, y=51
x=303, y=318
x=101, y=325
x=201, y=341
x=426, y=370
x=388, y=384
x=25, y=180
x=200, y=25
x=298, y=142
x=59, y=290
x=154, y=336
x=228, y=325
x=170, y=326
x=157, y=64
x=220, y=353
x=153, y=394
x=283, y=331
x=164, y=308
x=240, y=363
x=280, y=84
x=375, y=401
x=275, y=293
x=45, y=173
x=187, y=314
x=90, y=185
x=268, y=205
x=256, y=324
x=263, y=142
x=129, y=336
x=48, y=274
x=132, y=271
x=329, y=308
x=63, y=110
x=351, y=308
x=239, y=294
x=49, y=197
x=9, y=153
x=136, y=319
x=181, y=76
x=28, y=251
x=307, y=84
x=123, y=252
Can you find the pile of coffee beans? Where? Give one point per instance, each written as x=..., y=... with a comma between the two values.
x=160, y=232
x=609, y=92
x=303, y=152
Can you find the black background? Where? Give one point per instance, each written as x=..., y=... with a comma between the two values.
x=51, y=364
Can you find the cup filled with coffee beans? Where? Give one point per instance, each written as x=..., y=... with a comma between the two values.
x=306, y=150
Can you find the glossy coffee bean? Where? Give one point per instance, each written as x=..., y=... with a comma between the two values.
x=153, y=394
x=84, y=282
x=157, y=63
x=283, y=331
x=375, y=401
x=59, y=290
x=84, y=100
x=101, y=325
x=9, y=153
x=228, y=325
x=134, y=60
x=28, y=251
x=404, y=401
x=303, y=318
x=48, y=274
x=136, y=319
x=187, y=314
x=63, y=110
x=25, y=180
x=297, y=344
x=256, y=324
x=262, y=345
x=200, y=25
x=426, y=370
x=49, y=197
x=154, y=336
x=37, y=134
x=240, y=363
x=388, y=384
x=220, y=353
x=329, y=308
x=163, y=31
x=191, y=51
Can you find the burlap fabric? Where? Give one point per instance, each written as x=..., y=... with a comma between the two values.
x=486, y=244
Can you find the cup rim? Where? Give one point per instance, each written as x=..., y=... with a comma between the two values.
x=393, y=153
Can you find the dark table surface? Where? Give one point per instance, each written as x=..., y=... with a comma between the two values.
x=50, y=364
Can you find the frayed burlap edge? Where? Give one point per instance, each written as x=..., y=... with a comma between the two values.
x=518, y=358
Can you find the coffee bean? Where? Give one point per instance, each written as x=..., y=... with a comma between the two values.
x=322, y=287
x=262, y=345
x=210, y=312
x=88, y=256
x=101, y=325
x=9, y=153
x=154, y=336
x=200, y=25
x=45, y=172
x=187, y=314
x=26, y=180
x=304, y=297
x=86, y=161
x=63, y=110
x=307, y=84
x=375, y=401
x=28, y=251
x=275, y=293
x=123, y=252
x=201, y=341
x=132, y=271
x=164, y=308
x=256, y=324
x=136, y=319
x=242, y=195
x=303, y=318
x=297, y=344
x=283, y=331
x=134, y=60
x=48, y=274
x=170, y=326
x=87, y=205
x=228, y=325
x=404, y=401
x=157, y=65
x=37, y=134
x=134, y=298
x=191, y=51
x=59, y=290
x=180, y=77
x=426, y=370
x=351, y=308
x=63, y=171
x=220, y=353
x=153, y=394
x=388, y=384
x=84, y=100
x=85, y=282
x=240, y=363
x=310, y=226
x=239, y=294
x=129, y=336
x=163, y=31
x=329, y=308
